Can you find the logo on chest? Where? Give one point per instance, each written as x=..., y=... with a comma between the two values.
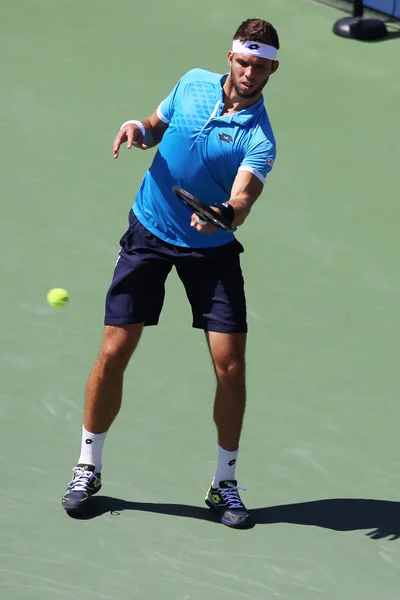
x=225, y=137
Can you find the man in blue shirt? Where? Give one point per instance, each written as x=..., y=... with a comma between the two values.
x=215, y=140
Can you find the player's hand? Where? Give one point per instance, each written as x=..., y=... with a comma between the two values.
x=130, y=134
x=198, y=224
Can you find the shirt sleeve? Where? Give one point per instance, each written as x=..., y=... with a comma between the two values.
x=165, y=110
x=259, y=159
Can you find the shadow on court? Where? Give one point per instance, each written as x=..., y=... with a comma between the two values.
x=339, y=514
x=392, y=35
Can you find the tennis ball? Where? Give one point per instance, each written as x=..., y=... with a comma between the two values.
x=58, y=298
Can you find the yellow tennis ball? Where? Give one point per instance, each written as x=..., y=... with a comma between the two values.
x=58, y=298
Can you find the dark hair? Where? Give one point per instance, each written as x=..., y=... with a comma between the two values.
x=257, y=30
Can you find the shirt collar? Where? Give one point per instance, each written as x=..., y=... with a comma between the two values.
x=244, y=116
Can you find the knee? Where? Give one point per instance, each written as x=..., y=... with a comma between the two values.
x=231, y=368
x=116, y=350
x=114, y=355
x=119, y=342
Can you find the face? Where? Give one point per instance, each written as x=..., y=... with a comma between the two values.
x=249, y=74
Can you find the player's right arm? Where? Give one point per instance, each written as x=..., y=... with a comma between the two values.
x=142, y=134
x=149, y=132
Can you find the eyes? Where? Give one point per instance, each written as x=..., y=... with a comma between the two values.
x=259, y=67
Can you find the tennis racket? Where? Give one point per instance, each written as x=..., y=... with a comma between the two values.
x=205, y=213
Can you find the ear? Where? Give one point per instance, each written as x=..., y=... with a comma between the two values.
x=230, y=57
x=274, y=67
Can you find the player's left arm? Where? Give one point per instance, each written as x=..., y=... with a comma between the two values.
x=246, y=188
x=250, y=179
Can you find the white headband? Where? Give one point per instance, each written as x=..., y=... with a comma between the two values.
x=255, y=49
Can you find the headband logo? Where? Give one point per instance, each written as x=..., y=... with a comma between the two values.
x=255, y=49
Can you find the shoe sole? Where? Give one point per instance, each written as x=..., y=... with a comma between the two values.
x=246, y=524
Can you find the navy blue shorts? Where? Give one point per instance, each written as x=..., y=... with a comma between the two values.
x=212, y=278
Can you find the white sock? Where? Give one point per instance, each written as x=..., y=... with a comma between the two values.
x=92, y=449
x=226, y=465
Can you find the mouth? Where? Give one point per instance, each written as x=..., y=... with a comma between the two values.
x=247, y=86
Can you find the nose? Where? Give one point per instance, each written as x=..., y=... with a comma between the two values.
x=249, y=73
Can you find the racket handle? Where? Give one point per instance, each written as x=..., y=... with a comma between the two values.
x=202, y=221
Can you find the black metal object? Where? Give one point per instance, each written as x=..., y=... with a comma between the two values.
x=359, y=27
x=358, y=8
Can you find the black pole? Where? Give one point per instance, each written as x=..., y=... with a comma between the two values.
x=359, y=27
x=358, y=8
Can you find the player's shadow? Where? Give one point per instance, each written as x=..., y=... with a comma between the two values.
x=382, y=517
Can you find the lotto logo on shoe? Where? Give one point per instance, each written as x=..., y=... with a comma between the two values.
x=88, y=441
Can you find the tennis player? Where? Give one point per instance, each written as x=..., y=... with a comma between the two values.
x=215, y=141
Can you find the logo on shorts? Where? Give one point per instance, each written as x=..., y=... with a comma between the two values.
x=224, y=137
x=270, y=162
x=253, y=47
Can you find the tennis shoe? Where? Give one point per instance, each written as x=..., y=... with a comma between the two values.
x=225, y=500
x=84, y=484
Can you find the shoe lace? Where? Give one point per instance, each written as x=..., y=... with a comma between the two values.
x=231, y=496
x=81, y=479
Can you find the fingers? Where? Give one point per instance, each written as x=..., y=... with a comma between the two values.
x=137, y=140
x=201, y=225
x=120, y=139
x=132, y=136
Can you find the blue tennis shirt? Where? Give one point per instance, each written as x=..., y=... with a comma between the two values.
x=201, y=151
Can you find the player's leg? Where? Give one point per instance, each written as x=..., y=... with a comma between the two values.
x=102, y=404
x=228, y=355
x=104, y=386
x=134, y=299
x=215, y=289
